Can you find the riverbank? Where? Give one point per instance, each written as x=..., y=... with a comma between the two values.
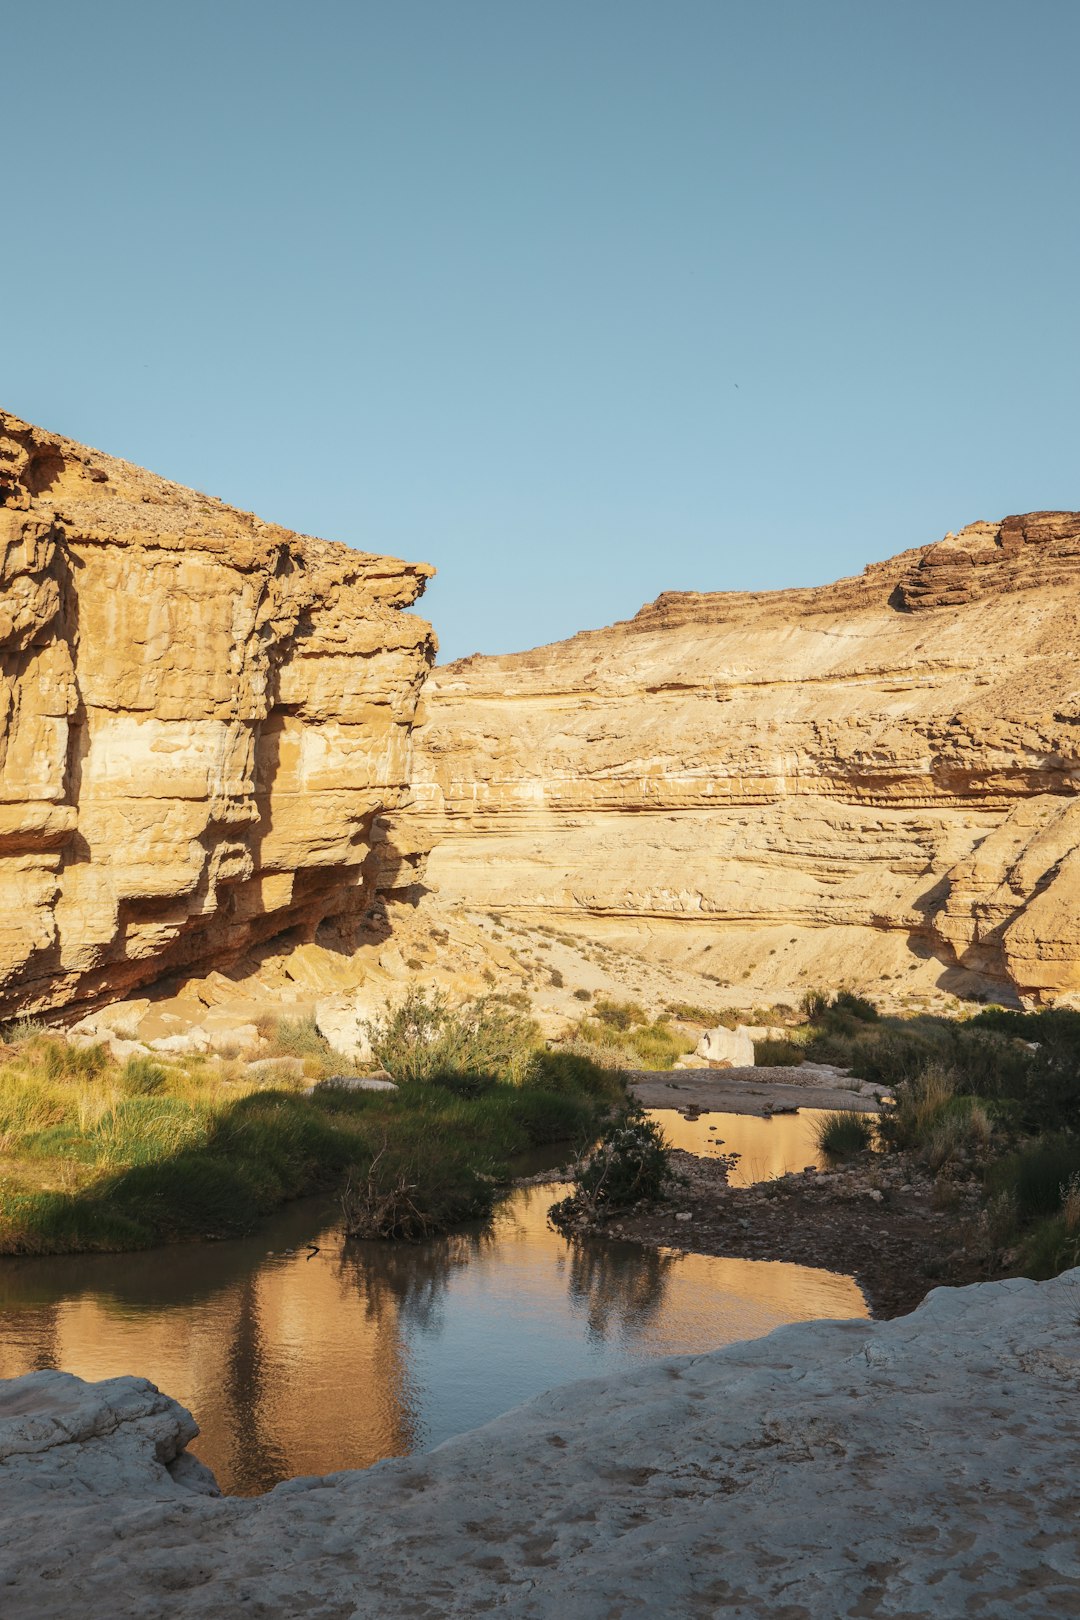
x=835, y=1460
x=876, y=1222
x=109, y=1156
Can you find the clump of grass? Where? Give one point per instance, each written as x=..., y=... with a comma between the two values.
x=619, y=1015
x=620, y=1034
x=142, y=1077
x=920, y=1104
x=842, y=1134
x=297, y=1037
x=688, y=1013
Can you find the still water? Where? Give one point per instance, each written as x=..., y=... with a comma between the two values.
x=766, y=1147
x=367, y=1350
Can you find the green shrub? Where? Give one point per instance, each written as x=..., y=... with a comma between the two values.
x=424, y=1036
x=814, y=1005
x=846, y=1132
x=1038, y=1175
x=415, y=1187
x=778, y=1054
x=298, y=1037
x=619, y=1015
x=687, y=1013
x=846, y=1001
x=572, y=1073
x=630, y=1165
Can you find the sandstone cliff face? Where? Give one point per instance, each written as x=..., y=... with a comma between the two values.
x=860, y=782
x=202, y=718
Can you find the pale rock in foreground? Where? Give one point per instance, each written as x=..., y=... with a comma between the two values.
x=922, y=1467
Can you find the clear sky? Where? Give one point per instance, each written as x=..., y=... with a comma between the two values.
x=580, y=300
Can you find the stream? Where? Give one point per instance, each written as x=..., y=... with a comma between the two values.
x=304, y=1365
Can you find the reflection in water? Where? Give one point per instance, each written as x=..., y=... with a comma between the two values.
x=370, y=1350
x=618, y=1287
x=766, y=1147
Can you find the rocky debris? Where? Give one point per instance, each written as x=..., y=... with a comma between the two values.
x=203, y=718
x=878, y=1218
x=869, y=783
x=918, y=1467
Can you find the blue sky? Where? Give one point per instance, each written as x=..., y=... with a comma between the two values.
x=580, y=300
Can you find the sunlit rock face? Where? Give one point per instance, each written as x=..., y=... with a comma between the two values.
x=871, y=781
x=202, y=719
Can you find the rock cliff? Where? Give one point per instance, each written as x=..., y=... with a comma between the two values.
x=921, y=1467
x=872, y=781
x=202, y=719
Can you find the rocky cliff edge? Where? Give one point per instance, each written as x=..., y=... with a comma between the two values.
x=202, y=718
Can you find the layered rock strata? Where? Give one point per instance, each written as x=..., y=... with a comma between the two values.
x=875, y=780
x=920, y=1466
x=203, y=718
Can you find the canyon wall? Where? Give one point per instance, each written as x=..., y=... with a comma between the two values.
x=872, y=781
x=203, y=718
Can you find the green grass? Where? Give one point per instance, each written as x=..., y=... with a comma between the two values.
x=620, y=1034
x=845, y=1133
x=102, y=1156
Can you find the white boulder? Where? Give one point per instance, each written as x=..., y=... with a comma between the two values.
x=727, y=1048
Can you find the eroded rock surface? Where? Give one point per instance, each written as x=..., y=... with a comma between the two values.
x=202, y=719
x=875, y=782
x=922, y=1466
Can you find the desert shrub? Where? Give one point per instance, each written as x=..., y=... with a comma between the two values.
x=846, y=1001
x=657, y=1046
x=297, y=1037
x=814, y=1005
x=687, y=1013
x=778, y=1054
x=582, y=995
x=1038, y=1176
x=1051, y=1091
x=574, y=1073
x=20, y=1030
x=962, y=1128
x=629, y=1165
x=920, y=1105
x=619, y=1015
x=555, y=978
x=423, y=1036
x=841, y=1134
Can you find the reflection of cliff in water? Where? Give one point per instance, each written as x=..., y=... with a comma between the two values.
x=412, y=1278
x=284, y=1370
x=294, y=1365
